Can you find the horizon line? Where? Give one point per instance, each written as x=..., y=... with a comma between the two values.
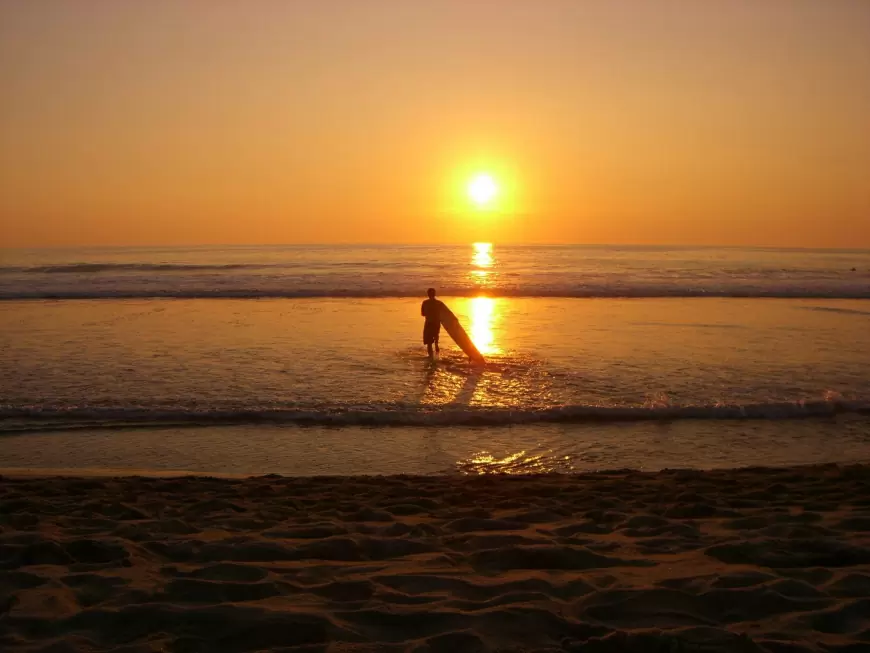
x=421, y=245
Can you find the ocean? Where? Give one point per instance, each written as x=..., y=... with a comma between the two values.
x=308, y=360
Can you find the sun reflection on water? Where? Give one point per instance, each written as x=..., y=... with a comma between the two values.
x=481, y=259
x=483, y=314
x=521, y=462
x=482, y=255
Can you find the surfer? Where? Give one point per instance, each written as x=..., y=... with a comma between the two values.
x=431, y=310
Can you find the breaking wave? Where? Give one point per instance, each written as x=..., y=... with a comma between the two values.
x=94, y=268
x=602, y=291
x=456, y=271
x=23, y=419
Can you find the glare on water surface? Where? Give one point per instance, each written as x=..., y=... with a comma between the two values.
x=520, y=462
x=482, y=255
x=482, y=311
x=482, y=262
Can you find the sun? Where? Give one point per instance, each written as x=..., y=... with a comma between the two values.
x=482, y=189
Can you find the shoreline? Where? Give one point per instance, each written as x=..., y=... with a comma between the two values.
x=759, y=559
x=73, y=473
x=240, y=451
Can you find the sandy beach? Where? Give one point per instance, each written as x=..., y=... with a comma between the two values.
x=771, y=560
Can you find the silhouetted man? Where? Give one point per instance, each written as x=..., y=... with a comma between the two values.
x=431, y=310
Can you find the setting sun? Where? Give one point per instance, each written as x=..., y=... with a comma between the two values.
x=482, y=189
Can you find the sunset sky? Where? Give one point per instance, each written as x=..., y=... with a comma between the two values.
x=738, y=122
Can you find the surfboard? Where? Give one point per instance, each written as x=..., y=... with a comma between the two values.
x=460, y=337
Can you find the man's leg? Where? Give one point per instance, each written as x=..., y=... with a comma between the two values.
x=437, y=349
x=429, y=349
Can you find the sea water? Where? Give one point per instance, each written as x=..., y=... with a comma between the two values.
x=309, y=360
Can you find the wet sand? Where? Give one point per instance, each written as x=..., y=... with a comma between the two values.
x=746, y=560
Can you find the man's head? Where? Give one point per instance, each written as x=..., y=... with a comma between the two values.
x=431, y=293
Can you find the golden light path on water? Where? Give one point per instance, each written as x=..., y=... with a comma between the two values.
x=482, y=255
x=482, y=311
x=521, y=462
x=506, y=381
x=495, y=390
x=481, y=259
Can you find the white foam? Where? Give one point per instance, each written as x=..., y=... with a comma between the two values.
x=20, y=419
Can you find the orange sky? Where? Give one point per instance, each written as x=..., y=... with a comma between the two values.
x=284, y=121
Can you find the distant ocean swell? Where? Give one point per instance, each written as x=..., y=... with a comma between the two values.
x=23, y=419
x=406, y=272
x=783, y=291
x=99, y=268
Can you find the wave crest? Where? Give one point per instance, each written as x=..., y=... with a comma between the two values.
x=86, y=268
x=639, y=292
x=18, y=419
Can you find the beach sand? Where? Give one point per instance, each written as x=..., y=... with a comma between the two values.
x=741, y=560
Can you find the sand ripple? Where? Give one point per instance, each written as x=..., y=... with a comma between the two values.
x=753, y=560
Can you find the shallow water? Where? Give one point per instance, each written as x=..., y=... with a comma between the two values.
x=525, y=449
x=296, y=385
x=354, y=361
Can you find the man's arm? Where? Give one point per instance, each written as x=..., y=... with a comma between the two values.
x=423, y=309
